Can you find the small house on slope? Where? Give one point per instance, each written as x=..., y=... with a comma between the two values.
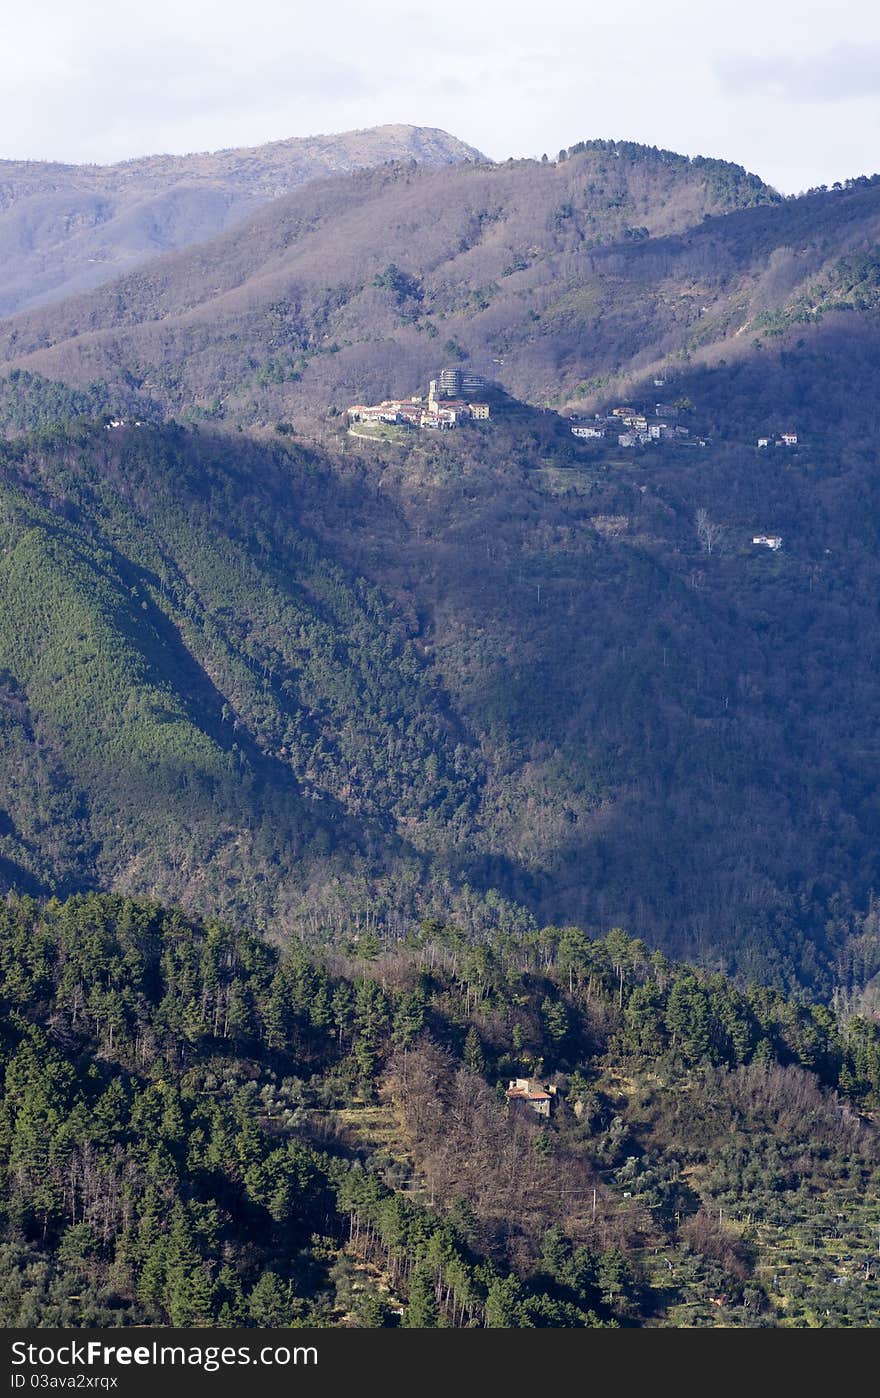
x=530, y=1092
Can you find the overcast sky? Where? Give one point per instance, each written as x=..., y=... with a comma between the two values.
x=791, y=90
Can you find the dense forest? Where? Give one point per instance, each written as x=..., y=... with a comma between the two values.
x=198, y=1130
x=302, y=684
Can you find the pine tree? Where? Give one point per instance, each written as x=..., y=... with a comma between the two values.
x=421, y=1311
x=270, y=1303
x=473, y=1054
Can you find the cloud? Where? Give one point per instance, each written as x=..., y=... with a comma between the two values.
x=123, y=99
x=839, y=74
x=180, y=79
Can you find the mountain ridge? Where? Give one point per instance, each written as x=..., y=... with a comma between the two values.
x=66, y=227
x=501, y=256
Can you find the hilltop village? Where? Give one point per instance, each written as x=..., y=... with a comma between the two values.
x=453, y=398
x=457, y=396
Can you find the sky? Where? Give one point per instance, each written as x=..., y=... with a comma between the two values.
x=790, y=90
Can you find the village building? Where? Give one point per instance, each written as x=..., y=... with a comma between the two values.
x=455, y=383
x=439, y=419
x=473, y=384
x=789, y=439
x=770, y=541
x=390, y=410
x=440, y=406
x=588, y=431
x=450, y=382
x=532, y=1093
x=763, y=441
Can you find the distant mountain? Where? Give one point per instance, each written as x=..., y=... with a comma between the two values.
x=67, y=228
x=547, y=273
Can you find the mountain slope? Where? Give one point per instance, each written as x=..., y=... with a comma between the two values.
x=304, y=687
x=604, y=719
x=196, y=699
x=567, y=282
x=64, y=228
x=350, y=287
x=195, y=1130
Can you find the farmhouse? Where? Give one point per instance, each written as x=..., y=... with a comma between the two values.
x=530, y=1092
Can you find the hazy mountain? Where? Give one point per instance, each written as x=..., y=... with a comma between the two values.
x=65, y=228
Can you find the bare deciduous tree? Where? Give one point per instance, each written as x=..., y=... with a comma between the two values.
x=709, y=534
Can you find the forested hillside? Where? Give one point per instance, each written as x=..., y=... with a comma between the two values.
x=196, y=1130
x=683, y=732
x=197, y=699
x=310, y=686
